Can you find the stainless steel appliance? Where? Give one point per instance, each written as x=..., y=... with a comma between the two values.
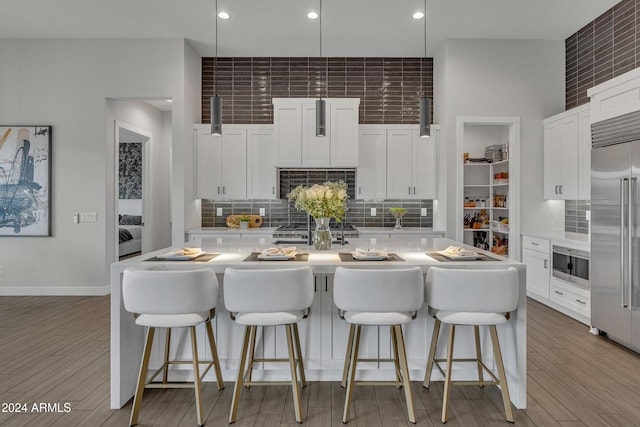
x=299, y=234
x=615, y=251
x=571, y=265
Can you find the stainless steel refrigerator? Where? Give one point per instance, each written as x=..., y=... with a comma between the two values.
x=615, y=217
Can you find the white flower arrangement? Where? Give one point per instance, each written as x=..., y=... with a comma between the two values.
x=328, y=200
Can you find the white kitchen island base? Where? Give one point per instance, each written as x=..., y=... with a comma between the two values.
x=323, y=334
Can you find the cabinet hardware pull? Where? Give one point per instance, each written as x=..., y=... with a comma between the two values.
x=556, y=190
x=315, y=284
x=224, y=189
x=414, y=190
x=218, y=189
x=359, y=190
x=581, y=302
x=546, y=262
x=273, y=190
x=559, y=293
x=408, y=190
x=534, y=244
x=326, y=284
x=560, y=189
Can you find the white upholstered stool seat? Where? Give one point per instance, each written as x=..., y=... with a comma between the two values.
x=268, y=298
x=470, y=297
x=376, y=297
x=172, y=299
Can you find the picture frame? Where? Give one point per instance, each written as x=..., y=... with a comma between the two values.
x=25, y=180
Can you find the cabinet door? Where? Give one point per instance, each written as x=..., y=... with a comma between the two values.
x=372, y=169
x=208, y=153
x=424, y=166
x=316, y=150
x=399, y=173
x=569, y=159
x=287, y=121
x=234, y=164
x=584, y=155
x=261, y=164
x=344, y=135
x=537, y=272
x=552, y=141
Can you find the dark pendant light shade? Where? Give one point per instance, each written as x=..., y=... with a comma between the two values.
x=321, y=117
x=425, y=118
x=216, y=115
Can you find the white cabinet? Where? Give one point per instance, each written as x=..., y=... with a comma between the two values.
x=371, y=176
x=567, y=155
x=295, y=124
x=261, y=164
x=411, y=165
x=221, y=164
x=535, y=255
x=571, y=297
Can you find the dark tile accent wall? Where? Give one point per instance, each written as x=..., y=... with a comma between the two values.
x=575, y=217
x=601, y=50
x=282, y=212
x=291, y=178
x=388, y=88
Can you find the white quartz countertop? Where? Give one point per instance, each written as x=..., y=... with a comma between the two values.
x=563, y=238
x=404, y=230
x=219, y=230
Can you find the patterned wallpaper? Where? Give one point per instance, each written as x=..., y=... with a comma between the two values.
x=130, y=179
x=388, y=88
x=601, y=50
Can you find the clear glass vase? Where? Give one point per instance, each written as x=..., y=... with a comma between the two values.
x=322, y=234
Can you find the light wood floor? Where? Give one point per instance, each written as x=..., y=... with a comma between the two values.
x=56, y=349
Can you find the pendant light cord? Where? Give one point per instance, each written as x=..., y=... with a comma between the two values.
x=322, y=88
x=215, y=58
x=424, y=86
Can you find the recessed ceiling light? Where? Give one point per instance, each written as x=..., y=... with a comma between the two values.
x=312, y=15
x=418, y=15
x=224, y=15
x=169, y=101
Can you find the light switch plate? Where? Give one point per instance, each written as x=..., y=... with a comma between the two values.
x=423, y=211
x=88, y=216
x=587, y=215
x=218, y=211
x=263, y=212
x=373, y=212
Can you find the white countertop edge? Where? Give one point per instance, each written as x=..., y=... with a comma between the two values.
x=563, y=238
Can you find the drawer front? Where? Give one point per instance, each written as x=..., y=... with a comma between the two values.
x=575, y=299
x=536, y=244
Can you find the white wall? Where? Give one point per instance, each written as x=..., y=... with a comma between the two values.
x=65, y=83
x=143, y=116
x=503, y=78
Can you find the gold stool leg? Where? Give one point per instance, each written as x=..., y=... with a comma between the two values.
x=167, y=347
x=252, y=352
x=238, y=387
x=294, y=378
x=353, y=361
x=296, y=336
x=476, y=331
x=196, y=375
x=506, y=400
x=347, y=357
x=396, y=362
x=214, y=355
x=402, y=355
x=432, y=353
x=447, y=381
x=142, y=377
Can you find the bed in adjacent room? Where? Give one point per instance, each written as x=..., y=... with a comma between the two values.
x=130, y=235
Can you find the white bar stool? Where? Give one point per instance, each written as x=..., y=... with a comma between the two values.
x=268, y=298
x=172, y=299
x=476, y=298
x=375, y=297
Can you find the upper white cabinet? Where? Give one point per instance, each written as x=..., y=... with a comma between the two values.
x=295, y=123
x=411, y=165
x=567, y=155
x=221, y=164
x=371, y=175
x=261, y=163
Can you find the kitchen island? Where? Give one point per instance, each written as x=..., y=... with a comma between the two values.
x=323, y=334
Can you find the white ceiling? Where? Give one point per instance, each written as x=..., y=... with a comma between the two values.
x=280, y=27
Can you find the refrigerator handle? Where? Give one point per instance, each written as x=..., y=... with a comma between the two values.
x=630, y=259
x=623, y=239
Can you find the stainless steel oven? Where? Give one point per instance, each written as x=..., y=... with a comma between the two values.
x=571, y=265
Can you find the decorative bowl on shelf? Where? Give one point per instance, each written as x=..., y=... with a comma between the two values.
x=398, y=213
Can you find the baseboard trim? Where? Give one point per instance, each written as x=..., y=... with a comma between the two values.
x=55, y=291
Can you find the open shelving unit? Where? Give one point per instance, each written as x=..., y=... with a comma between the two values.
x=488, y=211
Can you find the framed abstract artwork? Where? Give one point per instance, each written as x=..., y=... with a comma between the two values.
x=25, y=180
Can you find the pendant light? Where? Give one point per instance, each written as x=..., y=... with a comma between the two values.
x=321, y=106
x=216, y=101
x=425, y=103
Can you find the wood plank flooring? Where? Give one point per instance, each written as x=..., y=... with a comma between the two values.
x=56, y=350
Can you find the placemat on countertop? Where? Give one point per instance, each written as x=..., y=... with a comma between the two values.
x=347, y=257
x=442, y=258
x=201, y=258
x=254, y=257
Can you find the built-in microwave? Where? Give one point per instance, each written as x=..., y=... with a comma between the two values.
x=571, y=265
